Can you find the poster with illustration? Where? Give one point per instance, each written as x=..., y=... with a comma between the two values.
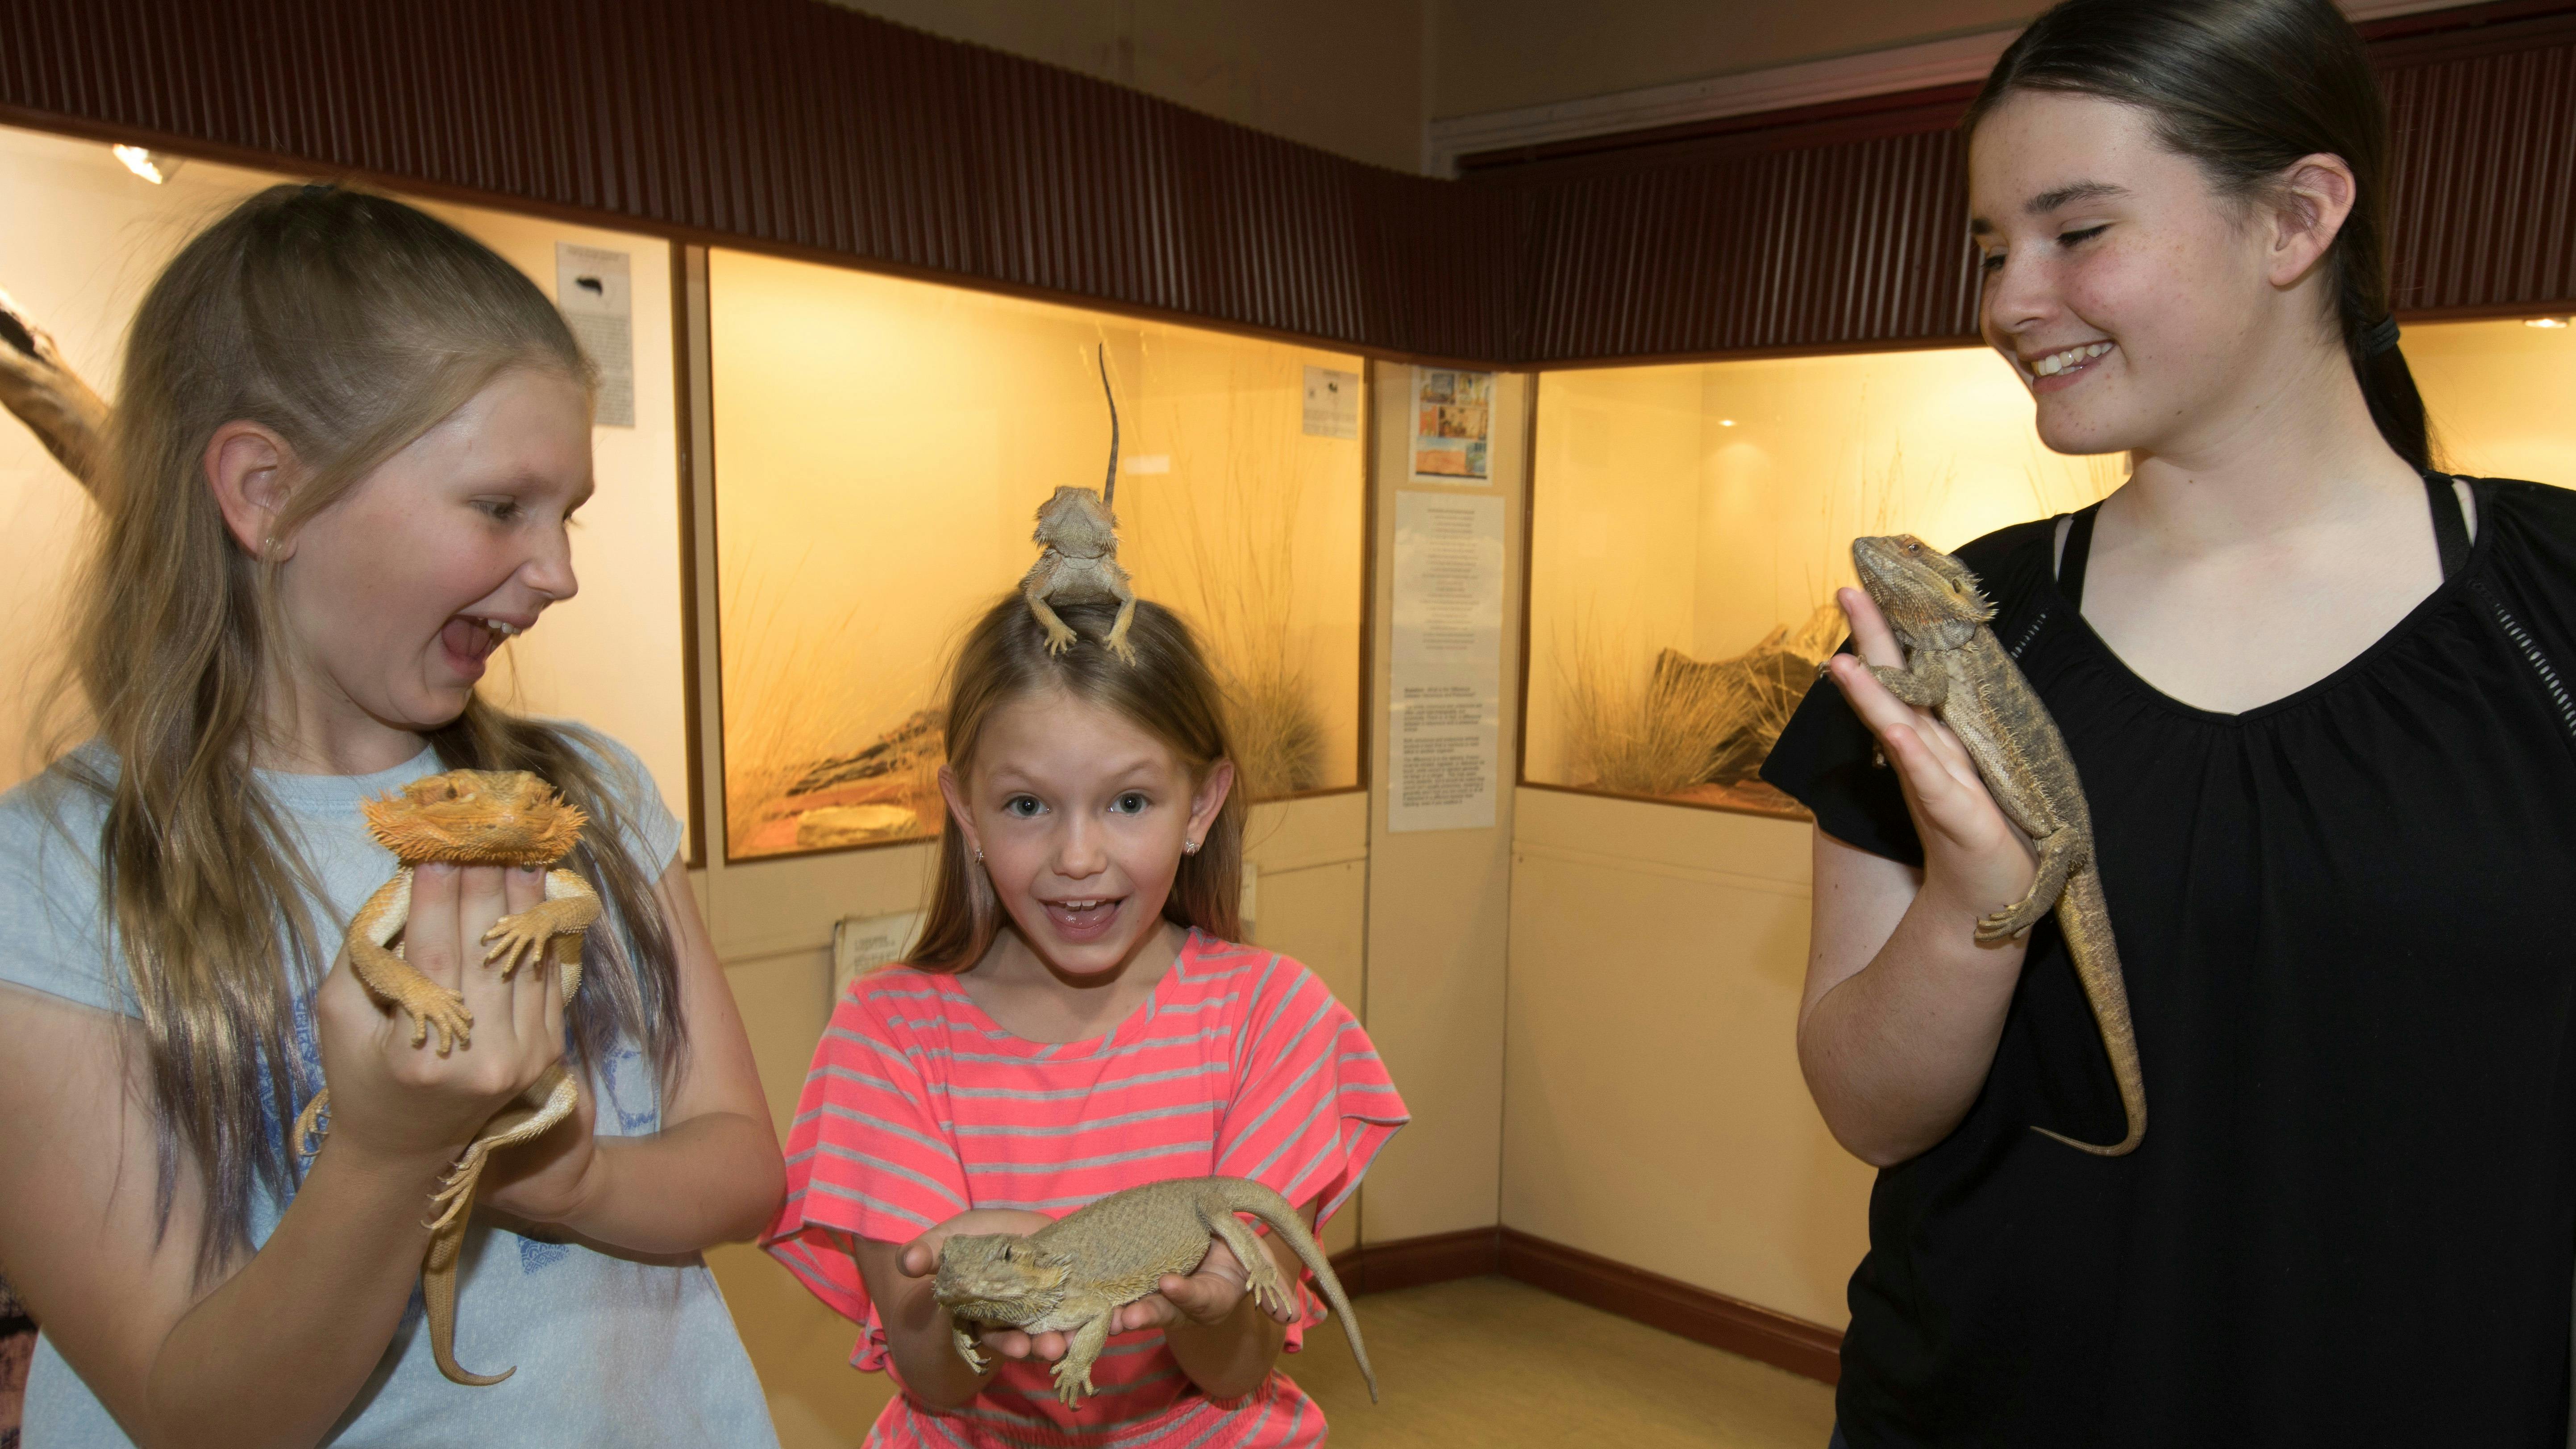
x=1453, y=423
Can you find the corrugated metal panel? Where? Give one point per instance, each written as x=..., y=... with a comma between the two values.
x=805, y=128
x=785, y=124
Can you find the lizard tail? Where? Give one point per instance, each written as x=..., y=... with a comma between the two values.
x=438, y=1295
x=1245, y=1196
x=1109, y=486
x=2085, y=917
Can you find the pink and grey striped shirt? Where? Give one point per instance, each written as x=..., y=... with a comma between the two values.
x=919, y=1106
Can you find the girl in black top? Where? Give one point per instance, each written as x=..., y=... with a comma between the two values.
x=2324, y=706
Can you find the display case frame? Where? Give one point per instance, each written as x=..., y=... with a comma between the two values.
x=1365, y=696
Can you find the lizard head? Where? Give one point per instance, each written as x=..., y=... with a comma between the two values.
x=999, y=1268
x=1930, y=599
x=1076, y=523
x=475, y=817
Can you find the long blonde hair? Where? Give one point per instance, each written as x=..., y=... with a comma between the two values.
x=1169, y=692
x=349, y=324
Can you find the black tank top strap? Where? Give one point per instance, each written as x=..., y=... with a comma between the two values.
x=2071, y=558
x=2450, y=524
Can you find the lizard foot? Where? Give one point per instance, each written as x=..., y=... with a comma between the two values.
x=1059, y=638
x=444, y=1009
x=967, y=1349
x=518, y=940
x=312, y=1123
x=456, y=1192
x=1071, y=1383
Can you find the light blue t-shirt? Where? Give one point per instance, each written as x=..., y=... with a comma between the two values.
x=609, y=1350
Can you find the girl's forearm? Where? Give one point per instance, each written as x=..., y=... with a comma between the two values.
x=713, y=1179
x=1229, y=1358
x=274, y=1355
x=1896, y=1054
x=918, y=1335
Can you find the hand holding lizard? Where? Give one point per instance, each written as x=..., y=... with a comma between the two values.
x=1974, y=861
x=412, y=1105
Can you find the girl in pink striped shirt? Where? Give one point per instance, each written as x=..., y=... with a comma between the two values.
x=1075, y=1021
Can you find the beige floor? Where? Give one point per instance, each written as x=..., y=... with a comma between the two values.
x=1486, y=1361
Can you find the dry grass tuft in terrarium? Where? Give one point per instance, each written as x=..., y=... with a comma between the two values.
x=791, y=698
x=1687, y=723
x=1222, y=527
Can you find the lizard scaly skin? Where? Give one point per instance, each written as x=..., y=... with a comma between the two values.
x=1072, y=1275
x=1078, y=554
x=469, y=817
x=1956, y=668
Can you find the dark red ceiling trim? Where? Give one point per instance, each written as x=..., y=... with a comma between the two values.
x=808, y=130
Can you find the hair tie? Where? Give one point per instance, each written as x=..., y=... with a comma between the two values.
x=2381, y=337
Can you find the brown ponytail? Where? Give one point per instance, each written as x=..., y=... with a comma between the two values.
x=2245, y=88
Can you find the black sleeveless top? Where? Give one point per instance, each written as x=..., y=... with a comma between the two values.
x=2344, y=922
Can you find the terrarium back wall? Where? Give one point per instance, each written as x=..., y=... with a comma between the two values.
x=881, y=448
x=81, y=238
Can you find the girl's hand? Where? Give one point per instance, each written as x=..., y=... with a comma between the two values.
x=1973, y=858
x=1207, y=1297
x=408, y=1104
x=555, y=1178
x=921, y=1260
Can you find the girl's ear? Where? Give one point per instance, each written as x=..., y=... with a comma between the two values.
x=250, y=470
x=1209, y=798
x=2310, y=205
x=955, y=794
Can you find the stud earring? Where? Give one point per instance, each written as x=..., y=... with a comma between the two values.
x=979, y=855
x=1189, y=847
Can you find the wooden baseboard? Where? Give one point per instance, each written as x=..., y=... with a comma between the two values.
x=1675, y=1307
x=1413, y=1262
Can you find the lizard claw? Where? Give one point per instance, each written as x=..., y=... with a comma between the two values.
x=444, y=1009
x=1059, y=638
x=516, y=941
x=1071, y=1384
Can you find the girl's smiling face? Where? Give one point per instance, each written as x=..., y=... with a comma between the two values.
x=1082, y=818
x=396, y=594
x=2136, y=302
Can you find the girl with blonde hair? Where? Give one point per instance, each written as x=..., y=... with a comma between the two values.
x=347, y=446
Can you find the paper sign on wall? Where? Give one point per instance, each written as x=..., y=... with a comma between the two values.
x=595, y=294
x=1444, y=723
x=1332, y=403
x=1453, y=425
x=862, y=943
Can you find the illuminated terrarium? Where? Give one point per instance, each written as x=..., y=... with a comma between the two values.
x=881, y=447
x=1690, y=524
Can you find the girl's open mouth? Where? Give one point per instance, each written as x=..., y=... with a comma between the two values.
x=1082, y=920
x=2063, y=368
x=470, y=640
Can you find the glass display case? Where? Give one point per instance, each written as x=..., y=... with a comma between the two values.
x=1690, y=523
x=82, y=235
x=881, y=447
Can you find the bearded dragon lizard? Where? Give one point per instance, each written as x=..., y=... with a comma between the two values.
x=1078, y=554
x=1956, y=668
x=469, y=817
x=1072, y=1275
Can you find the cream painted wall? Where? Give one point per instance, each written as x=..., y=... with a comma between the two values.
x=1654, y=1112
x=610, y=656
x=1345, y=75
x=2501, y=396
x=1439, y=901
x=1493, y=55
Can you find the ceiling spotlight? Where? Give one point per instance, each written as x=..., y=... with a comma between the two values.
x=2552, y=323
x=1726, y=422
x=151, y=166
